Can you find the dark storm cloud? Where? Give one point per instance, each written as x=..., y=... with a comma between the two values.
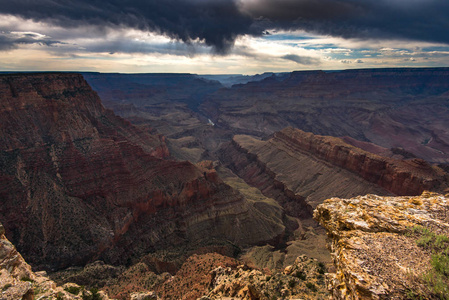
x=219, y=22
x=302, y=60
x=421, y=20
x=10, y=40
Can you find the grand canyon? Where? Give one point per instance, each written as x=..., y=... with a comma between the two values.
x=299, y=185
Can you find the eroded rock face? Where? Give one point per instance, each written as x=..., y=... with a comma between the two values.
x=389, y=107
x=78, y=183
x=18, y=281
x=296, y=167
x=375, y=251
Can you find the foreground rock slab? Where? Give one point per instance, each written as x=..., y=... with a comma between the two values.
x=18, y=281
x=385, y=247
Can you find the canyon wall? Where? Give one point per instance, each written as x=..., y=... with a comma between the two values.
x=79, y=183
x=392, y=108
x=306, y=169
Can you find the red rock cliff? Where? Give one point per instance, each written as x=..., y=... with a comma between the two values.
x=401, y=177
x=78, y=183
x=300, y=170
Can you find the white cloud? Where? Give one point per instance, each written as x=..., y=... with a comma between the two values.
x=132, y=50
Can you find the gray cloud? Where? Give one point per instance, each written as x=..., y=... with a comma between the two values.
x=219, y=22
x=421, y=20
x=302, y=60
x=11, y=40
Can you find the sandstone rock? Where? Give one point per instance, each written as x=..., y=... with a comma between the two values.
x=376, y=254
x=144, y=296
x=302, y=280
x=17, y=281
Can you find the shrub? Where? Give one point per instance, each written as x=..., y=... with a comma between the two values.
x=73, y=290
x=26, y=278
x=292, y=283
x=311, y=286
x=300, y=275
x=437, y=278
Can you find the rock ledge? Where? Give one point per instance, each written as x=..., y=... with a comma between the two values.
x=375, y=248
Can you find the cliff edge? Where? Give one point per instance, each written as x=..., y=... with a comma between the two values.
x=388, y=247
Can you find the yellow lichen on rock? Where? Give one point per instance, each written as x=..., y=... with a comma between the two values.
x=374, y=254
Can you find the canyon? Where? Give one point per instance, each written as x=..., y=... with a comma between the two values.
x=313, y=168
x=79, y=183
x=185, y=187
x=401, y=110
x=405, y=108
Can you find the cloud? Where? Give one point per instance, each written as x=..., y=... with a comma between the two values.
x=419, y=20
x=11, y=40
x=302, y=60
x=218, y=23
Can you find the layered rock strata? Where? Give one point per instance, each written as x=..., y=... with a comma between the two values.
x=386, y=247
x=301, y=169
x=392, y=108
x=79, y=183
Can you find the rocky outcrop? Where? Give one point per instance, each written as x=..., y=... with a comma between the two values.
x=18, y=281
x=78, y=183
x=214, y=276
x=302, y=280
x=301, y=169
x=392, y=108
x=387, y=247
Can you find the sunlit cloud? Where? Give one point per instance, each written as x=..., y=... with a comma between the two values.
x=106, y=45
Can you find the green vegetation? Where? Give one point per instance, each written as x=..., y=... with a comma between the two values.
x=311, y=286
x=26, y=278
x=94, y=295
x=73, y=290
x=321, y=268
x=300, y=275
x=437, y=279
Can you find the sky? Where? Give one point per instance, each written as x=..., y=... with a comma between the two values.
x=221, y=36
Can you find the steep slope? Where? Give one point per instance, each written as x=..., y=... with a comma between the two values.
x=387, y=247
x=392, y=108
x=167, y=103
x=18, y=281
x=79, y=183
x=308, y=168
